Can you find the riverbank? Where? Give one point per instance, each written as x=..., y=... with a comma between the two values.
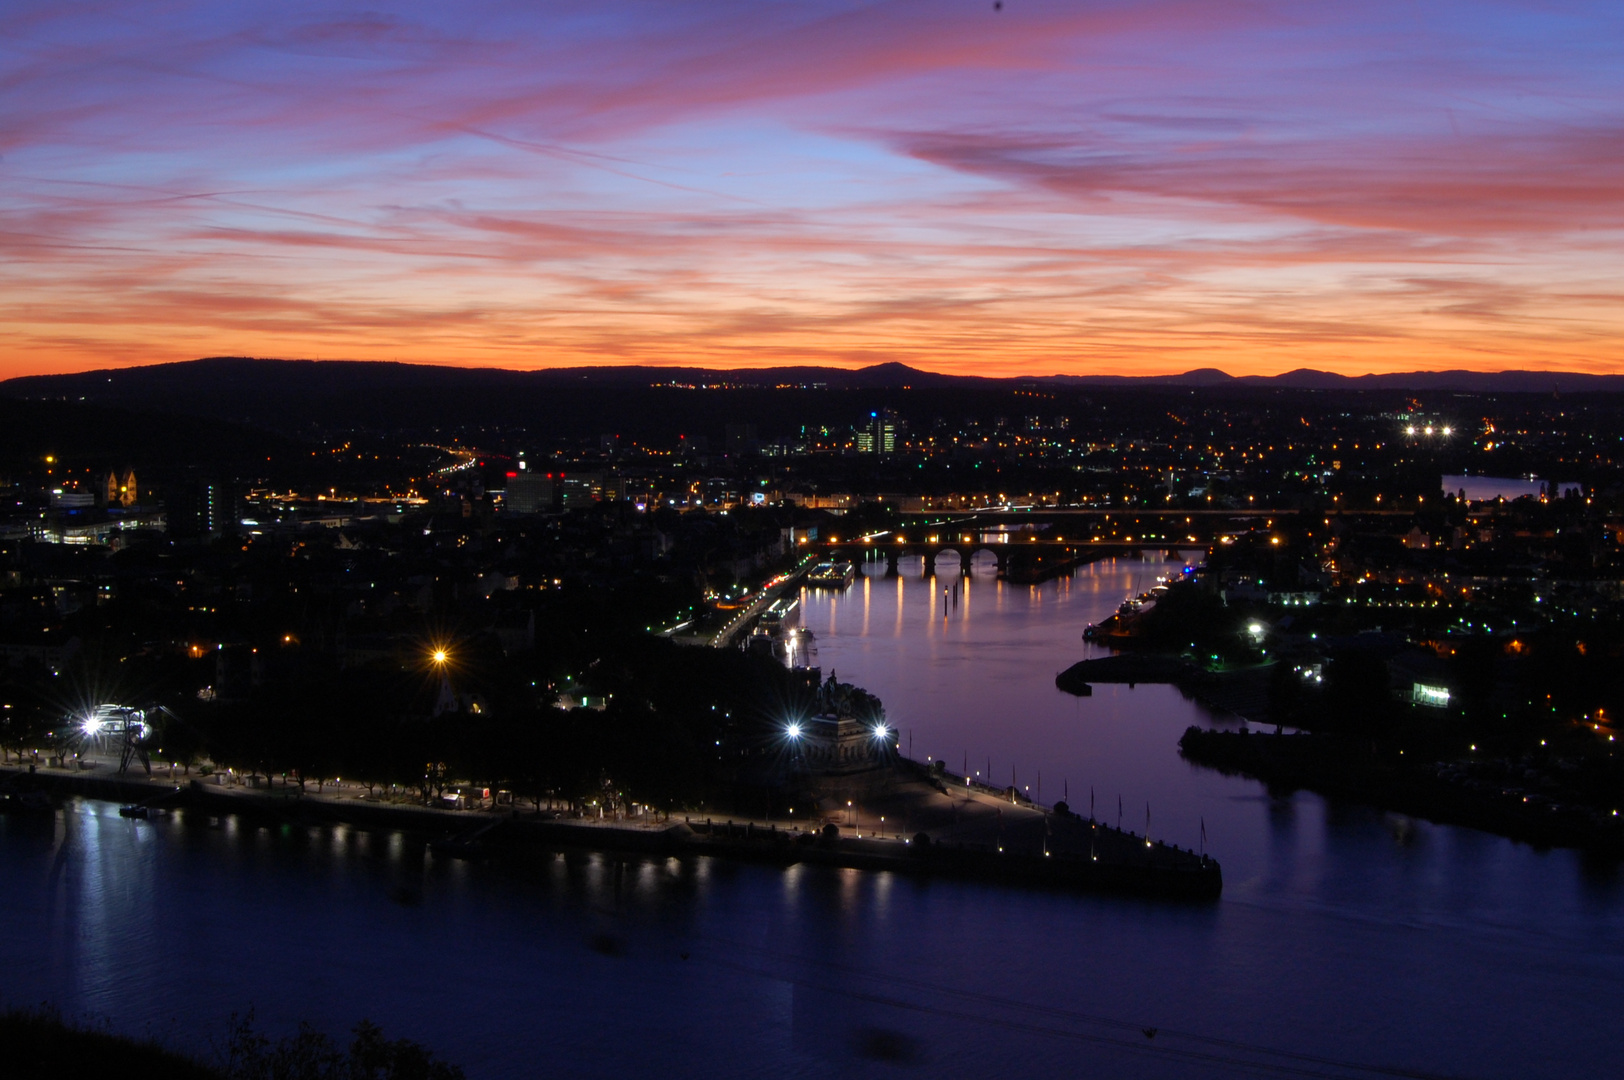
x=1344, y=767
x=915, y=824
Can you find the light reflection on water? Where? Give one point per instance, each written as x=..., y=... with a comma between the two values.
x=1343, y=931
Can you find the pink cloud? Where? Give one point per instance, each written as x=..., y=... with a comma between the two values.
x=1058, y=185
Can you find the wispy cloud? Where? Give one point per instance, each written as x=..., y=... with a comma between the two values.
x=1059, y=186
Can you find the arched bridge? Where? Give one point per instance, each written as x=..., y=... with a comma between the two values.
x=1027, y=558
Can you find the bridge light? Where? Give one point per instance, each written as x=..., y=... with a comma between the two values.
x=793, y=731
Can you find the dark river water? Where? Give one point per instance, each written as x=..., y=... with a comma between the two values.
x=1347, y=943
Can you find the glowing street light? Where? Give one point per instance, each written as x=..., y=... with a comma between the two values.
x=439, y=656
x=793, y=731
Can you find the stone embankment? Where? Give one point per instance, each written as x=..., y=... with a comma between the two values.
x=1240, y=691
x=1129, y=667
x=952, y=830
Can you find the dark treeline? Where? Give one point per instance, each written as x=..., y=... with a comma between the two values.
x=664, y=726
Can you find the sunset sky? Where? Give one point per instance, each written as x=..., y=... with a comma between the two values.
x=1086, y=187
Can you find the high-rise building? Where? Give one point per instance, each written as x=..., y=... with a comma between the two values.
x=202, y=507
x=880, y=434
x=529, y=492
x=579, y=488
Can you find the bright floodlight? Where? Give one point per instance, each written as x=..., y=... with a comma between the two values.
x=793, y=731
x=439, y=656
x=879, y=731
x=1256, y=629
x=91, y=725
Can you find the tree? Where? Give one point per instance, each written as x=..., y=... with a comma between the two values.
x=309, y=1054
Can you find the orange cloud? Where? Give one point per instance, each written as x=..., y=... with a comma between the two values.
x=1052, y=188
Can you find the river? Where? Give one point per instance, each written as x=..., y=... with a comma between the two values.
x=1345, y=936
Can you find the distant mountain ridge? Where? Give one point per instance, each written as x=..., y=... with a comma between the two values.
x=299, y=399
x=254, y=375
x=1482, y=382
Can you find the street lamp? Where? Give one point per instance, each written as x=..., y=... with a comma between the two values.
x=439, y=656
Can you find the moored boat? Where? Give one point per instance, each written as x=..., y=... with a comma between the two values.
x=832, y=575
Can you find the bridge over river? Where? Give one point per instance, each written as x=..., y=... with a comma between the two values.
x=1021, y=558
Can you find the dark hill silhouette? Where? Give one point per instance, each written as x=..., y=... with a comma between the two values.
x=305, y=398
x=302, y=397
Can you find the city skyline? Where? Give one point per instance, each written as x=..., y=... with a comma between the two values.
x=1036, y=189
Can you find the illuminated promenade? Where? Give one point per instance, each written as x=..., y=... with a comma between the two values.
x=898, y=818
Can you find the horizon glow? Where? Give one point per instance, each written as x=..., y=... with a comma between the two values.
x=1056, y=187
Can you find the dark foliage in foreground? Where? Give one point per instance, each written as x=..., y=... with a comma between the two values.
x=41, y=1045
x=309, y=1054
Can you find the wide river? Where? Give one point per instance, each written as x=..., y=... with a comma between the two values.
x=1348, y=942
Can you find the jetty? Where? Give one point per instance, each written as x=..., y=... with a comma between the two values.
x=1242, y=691
x=1130, y=668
